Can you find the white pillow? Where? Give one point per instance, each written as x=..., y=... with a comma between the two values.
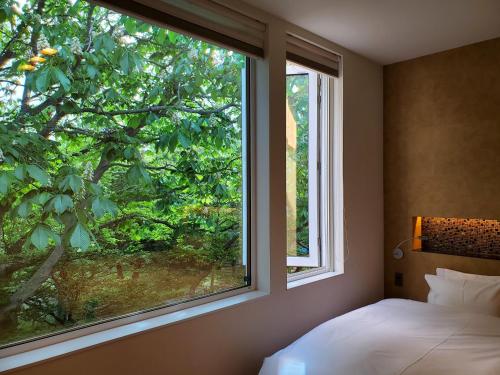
x=470, y=295
x=451, y=274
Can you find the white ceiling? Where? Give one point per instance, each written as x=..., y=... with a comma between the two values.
x=387, y=31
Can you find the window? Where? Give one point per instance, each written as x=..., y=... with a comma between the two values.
x=123, y=168
x=313, y=191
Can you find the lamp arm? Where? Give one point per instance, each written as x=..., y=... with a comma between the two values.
x=411, y=239
x=398, y=253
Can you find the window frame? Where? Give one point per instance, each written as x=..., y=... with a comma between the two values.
x=330, y=186
x=213, y=301
x=259, y=229
x=315, y=257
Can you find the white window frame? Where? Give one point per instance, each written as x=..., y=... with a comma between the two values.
x=66, y=341
x=326, y=189
x=314, y=258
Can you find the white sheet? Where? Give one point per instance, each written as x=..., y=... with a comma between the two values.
x=394, y=337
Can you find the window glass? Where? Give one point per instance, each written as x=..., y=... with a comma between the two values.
x=302, y=194
x=297, y=165
x=122, y=151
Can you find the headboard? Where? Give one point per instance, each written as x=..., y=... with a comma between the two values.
x=477, y=238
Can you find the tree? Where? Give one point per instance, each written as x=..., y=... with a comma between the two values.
x=115, y=136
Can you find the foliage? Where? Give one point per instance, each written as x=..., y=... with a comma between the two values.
x=297, y=89
x=116, y=137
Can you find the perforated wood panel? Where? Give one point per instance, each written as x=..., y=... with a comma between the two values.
x=476, y=238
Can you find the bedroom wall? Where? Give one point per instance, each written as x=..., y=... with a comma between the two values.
x=441, y=153
x=236, y=340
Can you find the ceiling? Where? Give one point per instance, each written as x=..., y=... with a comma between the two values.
x=388, y=31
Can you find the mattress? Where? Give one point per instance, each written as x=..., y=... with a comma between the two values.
x=395, y=336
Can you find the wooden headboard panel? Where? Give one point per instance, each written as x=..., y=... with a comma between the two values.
x=416, y=264
x=477, y=238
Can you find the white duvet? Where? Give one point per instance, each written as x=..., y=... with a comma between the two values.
x=392, y=337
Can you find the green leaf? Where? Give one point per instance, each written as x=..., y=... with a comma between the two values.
x=109, y=43
x=172, y=36
x=74, y=9
x=129, y=152
x=43, y=80
x=185, y=141
x=130, y=26
x=38, y=174
x=138, y=174
x=5, y=182
x=40, y=236
x=41, y=198
x=195, y=127
x=101, y=206
x=80, y=237
x=220, y=190
x=24, y=209
x=61, y=202
x=163, y=141
x=134, y=122
x=151, y=118
x=3, y=15
x=125, y=63
x=72, y=182
x=12, y=150
x=92, y=71
x=95, y=189
x=111, y=94
x=143, y=27
x=61, y=77
x=20, y=172
x=105, y=42
x=172, y=142
x=69, y=107
x=161, y=36
x=137, y=61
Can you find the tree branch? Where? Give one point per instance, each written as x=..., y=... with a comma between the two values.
x=11, y=82
x=51, y=125
x=34, y=50
x=36, y=33
x=124, y=218
x=88, y=28
x=39, y=108
x=7, y=52
x=162, y=168
x=156, y=109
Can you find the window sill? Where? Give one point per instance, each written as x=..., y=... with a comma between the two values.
x=65, y=347
x=311, y=279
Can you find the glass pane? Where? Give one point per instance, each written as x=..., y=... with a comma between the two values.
x=121, y=168
x=297, y=171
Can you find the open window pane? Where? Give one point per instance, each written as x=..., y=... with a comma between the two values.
x=302, y=168
x=122, y=168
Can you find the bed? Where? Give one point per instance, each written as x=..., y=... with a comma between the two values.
x=393, y=337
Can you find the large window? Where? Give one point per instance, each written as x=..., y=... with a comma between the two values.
x=123, y=178
x=314, y=185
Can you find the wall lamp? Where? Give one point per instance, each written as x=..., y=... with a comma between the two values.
x=398, y=253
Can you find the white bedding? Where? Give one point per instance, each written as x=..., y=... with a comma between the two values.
x=395, y=336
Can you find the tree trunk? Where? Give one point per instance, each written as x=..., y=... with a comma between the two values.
x=212, y=279
x=27, y=289
x=194, y=286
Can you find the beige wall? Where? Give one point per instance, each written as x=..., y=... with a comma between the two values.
x=441, y=153
x=236, y=340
